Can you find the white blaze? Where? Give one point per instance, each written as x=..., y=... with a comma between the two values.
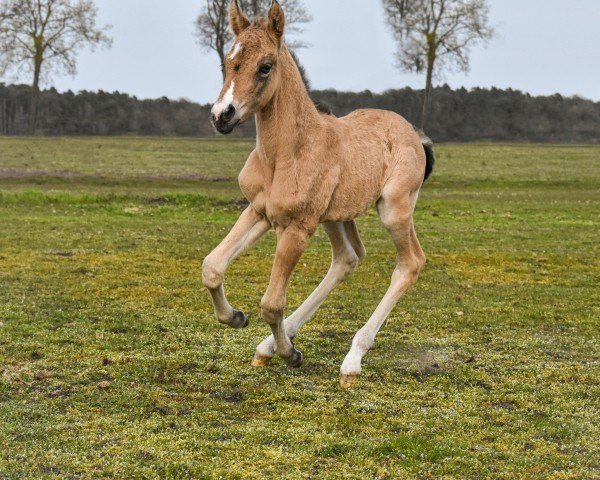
x=237, y=48
x=224, y=103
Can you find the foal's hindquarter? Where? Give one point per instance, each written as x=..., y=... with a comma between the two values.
x=308, y=169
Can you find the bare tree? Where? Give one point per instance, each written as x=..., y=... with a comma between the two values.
x=40, y=37
x=434, y=35
x=212, y=28
x=212, y=25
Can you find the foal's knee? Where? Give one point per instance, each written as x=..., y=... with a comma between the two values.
x=213, y=272
x=271, y=311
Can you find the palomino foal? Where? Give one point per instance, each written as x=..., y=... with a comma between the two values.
x=311, y=168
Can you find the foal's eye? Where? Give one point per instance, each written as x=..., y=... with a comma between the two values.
x=265, y=69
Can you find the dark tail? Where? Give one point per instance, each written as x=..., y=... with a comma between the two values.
x=429, y=155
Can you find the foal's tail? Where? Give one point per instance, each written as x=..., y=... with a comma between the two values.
x=429, y=154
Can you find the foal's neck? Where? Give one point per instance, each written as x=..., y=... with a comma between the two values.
x=285, y=123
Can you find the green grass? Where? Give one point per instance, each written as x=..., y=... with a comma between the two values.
x=112, y=366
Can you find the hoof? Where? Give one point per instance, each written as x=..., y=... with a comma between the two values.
x=348, y=381
x=295, y=360
x=260, y=361
x=238, y=320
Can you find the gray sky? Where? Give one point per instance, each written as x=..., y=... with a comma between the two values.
x=542, y=47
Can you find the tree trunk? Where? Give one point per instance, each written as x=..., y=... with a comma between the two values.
x=426, y=95
x=222, y=57
x=4, y=130
x=35, y=93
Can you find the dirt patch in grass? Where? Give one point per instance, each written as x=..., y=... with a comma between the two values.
x=15, y=173
x=190, y=177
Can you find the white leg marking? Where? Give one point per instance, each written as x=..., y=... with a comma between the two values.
x=237, y=48
x=364, y=340
x=410, y=259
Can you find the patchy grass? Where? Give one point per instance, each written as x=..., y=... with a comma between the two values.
x=111, y=365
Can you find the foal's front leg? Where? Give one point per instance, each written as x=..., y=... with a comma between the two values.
x=347, y=251
x=247, y=230
x=291, y=243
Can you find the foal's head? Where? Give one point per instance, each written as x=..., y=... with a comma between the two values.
x=252, y=70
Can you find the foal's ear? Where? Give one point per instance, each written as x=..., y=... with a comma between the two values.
x=239, y=22
x=276, y=20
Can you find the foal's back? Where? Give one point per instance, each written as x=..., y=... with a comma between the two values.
x=373, y=148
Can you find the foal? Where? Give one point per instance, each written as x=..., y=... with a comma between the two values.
x=311, y=168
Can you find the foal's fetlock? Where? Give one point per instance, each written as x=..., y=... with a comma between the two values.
x=351, y=367
x=295, y=359
x=237, y=320
x=264, y=352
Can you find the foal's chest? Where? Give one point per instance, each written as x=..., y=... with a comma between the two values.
x=273, y=194
x=278, y=207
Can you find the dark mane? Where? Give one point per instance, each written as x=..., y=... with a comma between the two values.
x=321, y=108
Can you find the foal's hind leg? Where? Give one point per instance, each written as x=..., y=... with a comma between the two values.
x=347, y=250
x=396, y=215
x=247, y=230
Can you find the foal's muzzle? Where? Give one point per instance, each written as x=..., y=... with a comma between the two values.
x=226, y=121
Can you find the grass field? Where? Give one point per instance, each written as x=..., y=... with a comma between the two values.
x=112, y=366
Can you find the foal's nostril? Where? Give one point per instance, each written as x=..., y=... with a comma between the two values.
x=228, y=114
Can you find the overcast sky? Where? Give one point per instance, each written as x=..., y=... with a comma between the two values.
x=542, y=47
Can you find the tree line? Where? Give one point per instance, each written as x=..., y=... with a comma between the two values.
x=455, y=115
x=43, y=37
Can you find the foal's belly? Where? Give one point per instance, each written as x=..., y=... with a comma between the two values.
x=342, y=192
x=358, y=189
x=347, y=205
